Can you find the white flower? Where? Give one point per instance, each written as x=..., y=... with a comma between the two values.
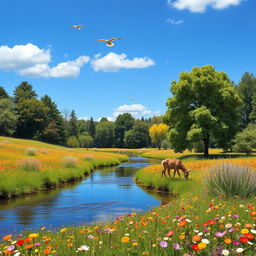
x=239, y=250
x=200, y=233
x=196, y=231
x=188, y=220
x=250, y=243
x=241, y=206
x=253, y=231
x=206, y=241
x=127, y=235
x=223, y=217
x=166, y=238
x=17, y=254
x=225, y=252
x=228, y=225
x=100, y=242
x=83, y=248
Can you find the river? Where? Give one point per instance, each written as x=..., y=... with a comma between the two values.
x=104, y=195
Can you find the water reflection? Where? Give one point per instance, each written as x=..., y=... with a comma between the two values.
x=103, y=196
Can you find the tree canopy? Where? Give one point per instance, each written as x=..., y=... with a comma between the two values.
x=204, y=103
x=158, y=133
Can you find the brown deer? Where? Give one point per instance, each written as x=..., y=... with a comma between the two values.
x=175, y=164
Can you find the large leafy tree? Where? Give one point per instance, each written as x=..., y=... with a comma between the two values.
x=32, y=118
x=104, y=136
x=203, y=104
x=247, y=92
x=158, y=133
x=8, y=117
x=24, y=91
x=124, y=122
x=54, y=131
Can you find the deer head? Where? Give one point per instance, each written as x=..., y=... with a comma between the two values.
x=186, y=173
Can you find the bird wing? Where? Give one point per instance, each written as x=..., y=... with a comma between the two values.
x=113, y=39
x=101, y=40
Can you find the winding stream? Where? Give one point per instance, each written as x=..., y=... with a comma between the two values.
x=104, y=195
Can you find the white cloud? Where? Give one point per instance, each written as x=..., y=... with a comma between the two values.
x=30, y=60
x=201, y=5
x=136, y=110
x=174, y=22
x=113, y=62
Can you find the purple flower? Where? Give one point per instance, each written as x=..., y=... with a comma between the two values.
x=205, y=229
x=236, y=216
x=176, y=246
x=37, y=244
x=220, y=234
x=163, y=244
x=11, y=248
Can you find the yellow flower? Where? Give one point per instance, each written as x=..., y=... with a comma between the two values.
x=63, y=230
x=181, y=237
x=244, y=231
x=227, y=241
x=133, y=213
x=135, y=244
x=34, y=235
x=36, y=250
x=125, y=239
x=154, y=245
x=202, y=245
x=42, y=228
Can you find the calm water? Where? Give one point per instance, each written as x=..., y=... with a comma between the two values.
x=106, y=194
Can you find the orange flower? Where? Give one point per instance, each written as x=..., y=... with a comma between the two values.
x=196, y=238
x=46, y=251
x=181, y=236
x=125, y=239
x=7, y=238
x=28, y=246
x=182, y=223
x=253, y=213
x=63, y=230
x=249, y=236
x=227, y=241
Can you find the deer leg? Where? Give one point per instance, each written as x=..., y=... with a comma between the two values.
x=179, y=173
x=174, y=172
x=163, y=172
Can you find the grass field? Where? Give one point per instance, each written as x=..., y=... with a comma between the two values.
x=27, y=166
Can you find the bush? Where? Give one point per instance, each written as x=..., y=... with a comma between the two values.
x=231, y=180
x=198, y=146
x=29, y=164
x=73, y=142
x=31, y=151
x=69, y=161
x=245, y=141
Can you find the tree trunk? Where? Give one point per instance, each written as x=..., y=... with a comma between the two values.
x=206, y=146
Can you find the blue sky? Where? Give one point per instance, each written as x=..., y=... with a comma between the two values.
x=160, y=39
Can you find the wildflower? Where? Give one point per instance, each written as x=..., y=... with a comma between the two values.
x=154, y=245
x=34, y=235
x=166, y=238
x=28, y=246
x=219, y=234
x=181, y=236
x=225, y=252
x=227, y=241
x=231, y=230
x=163, y=244
x=196, y=238
x=63, y=230
x=206, y=241
x=243, y=239
x=236, y=242
x=83, y=248
x=195, y=247
x=244, y=231
x=90, y=236
x=249, y=236
x=239, y=250
x=253, y=231
x=20, y=242
x=17, y=254
x=176, y=246
x=135, y=244
x=11, y=248
x=170, y=233
x=202, y=245
x=37, y=244
x=228, y=225
x=7, y=238
x=125, y=239
x=47, y=251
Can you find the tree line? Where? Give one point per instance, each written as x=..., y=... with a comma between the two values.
x=24, y=115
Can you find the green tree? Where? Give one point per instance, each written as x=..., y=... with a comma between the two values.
x=3, y=93
x=92, y=128
x=138, y=136
x=8, y=117
x=54, y=131
x=245, y=141
x=104, y=136
x=72, y=125
x=204, y=104
x=158, y=133
x=247, y=90
x=85, y=140
x=24, y=91
x=32, y=118
x=124, y=122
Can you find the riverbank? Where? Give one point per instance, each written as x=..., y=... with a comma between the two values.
x=28, y=166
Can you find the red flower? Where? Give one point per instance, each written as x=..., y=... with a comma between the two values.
x=195, y=247
x=249, y=236
x=20, y=242
x=211, y=222
x=243, y=239
x=170, y=233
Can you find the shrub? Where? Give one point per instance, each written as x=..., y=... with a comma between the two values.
x=69, y=161
x=31, y=151
x=29, y=164
x=73, y=142
x=165, y=144
x=231, y=180
x=88, y=157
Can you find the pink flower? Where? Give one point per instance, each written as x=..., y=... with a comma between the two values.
x=176, y=246
x=163, y=244
x=220, y=234
x=236, y=242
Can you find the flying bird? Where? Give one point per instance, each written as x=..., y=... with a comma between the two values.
x=109, y=42
x=77, y=26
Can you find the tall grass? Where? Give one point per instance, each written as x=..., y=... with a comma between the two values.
x=29, y=165
x=231, y=180
x=69, y=161
x=31, y=151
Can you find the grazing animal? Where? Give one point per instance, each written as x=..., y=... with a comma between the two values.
x=175, y=164
x=109, y=42
x=77, y=26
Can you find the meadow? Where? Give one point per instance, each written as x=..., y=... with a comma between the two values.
x=27, y=166
x=194, y=223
